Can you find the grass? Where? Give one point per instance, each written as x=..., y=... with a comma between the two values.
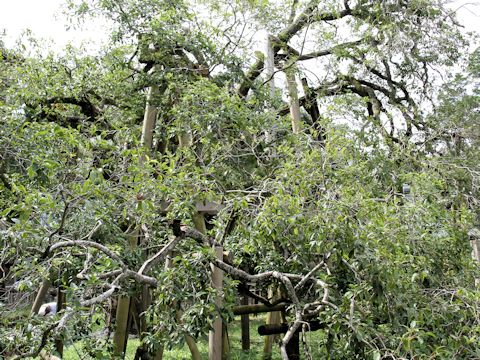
x=256, y=346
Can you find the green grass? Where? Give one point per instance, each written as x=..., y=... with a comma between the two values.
x=256, y=345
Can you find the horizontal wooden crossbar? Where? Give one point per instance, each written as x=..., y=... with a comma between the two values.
x=273, y=329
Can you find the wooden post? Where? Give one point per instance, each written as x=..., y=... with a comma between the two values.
x=120, y=337
x=121, y=321
x=270, y=66
x=215, y=335
x=293, y=98
x=150, y=116
x=474, y=235
x=245, y=321
x=273, y=317
x=60, y=306
x=270, y=72
x=258, y=308
x=42, y=293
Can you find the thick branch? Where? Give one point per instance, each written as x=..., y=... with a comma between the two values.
x=307, y=17
x=86, y=106
x=159, y=256
x=254, y=72
x=85, y=243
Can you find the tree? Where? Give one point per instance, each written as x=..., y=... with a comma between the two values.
x=317, y=211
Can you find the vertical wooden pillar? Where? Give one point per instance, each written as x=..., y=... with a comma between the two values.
x=120, y=337
x=42, y=293
x=294, y=103
x=150, y=116
x=60, y=305
x=270, y=72
x=245, y=321
x=474, y=235
x=215, y=336
x=121, y=321
x=272, y=318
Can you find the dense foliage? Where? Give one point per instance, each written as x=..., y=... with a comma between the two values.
x=380, y=185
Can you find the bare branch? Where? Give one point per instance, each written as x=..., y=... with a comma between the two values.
x=86, y=243
x=159, y=256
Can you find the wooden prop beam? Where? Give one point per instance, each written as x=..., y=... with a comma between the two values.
x=258, y=308
x=274, y=329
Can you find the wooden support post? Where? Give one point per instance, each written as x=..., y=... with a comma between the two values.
x=120, y=337
x=60, y=305
x=150, y=116
x=257, y=308
x=293, y=98
x=121, y=321
x=273, y=317
x=283, y=328
x=474, y=235
x=270, y=73
x=42, y=293
x=270, y=66
x=245, y=321
x=215, y=336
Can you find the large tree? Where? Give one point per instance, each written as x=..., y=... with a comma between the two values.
x=330, y=164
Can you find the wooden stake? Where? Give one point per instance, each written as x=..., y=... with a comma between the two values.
x=60, y=306
x=150, y=116
x=121, y=332
x=294, y=103
x=42, y=293
x=273, y=317
x=215, y=335
x=120, y=337
x=257, y=308
x=245, y=321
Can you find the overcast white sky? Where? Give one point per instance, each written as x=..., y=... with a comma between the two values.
x=44, y=18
